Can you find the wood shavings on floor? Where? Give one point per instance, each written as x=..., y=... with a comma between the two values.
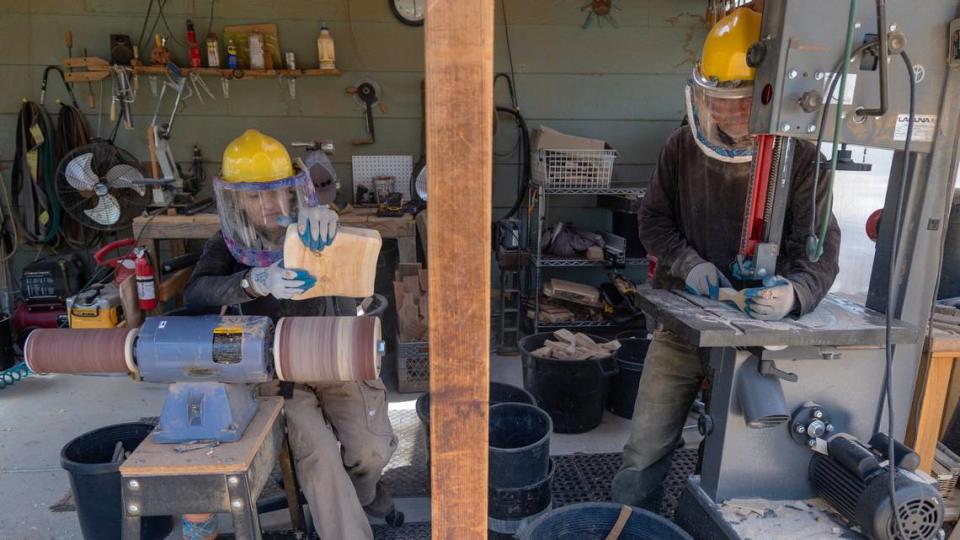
x=758, y=519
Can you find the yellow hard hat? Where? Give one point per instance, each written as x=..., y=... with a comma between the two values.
x=724, y=58
x=255, y=157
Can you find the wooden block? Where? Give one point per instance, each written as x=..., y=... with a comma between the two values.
x=570, y=291
x=411, y=285
x=565, y=335
x=407, y=269
x=345, y=268
x=732, y=295
x=398, y=294
x=423, y=281
x=132, y=313
x=927, y=428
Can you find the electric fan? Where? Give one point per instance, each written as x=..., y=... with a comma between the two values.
x=101, y=186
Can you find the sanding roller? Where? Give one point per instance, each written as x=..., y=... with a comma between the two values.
x=212, y=362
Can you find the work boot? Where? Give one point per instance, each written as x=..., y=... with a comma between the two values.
x=382, y=504
x=641, y=488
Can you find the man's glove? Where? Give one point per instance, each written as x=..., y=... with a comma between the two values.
x=704, y=279
x=317, y=227
x=279, y=282
x=772, y=302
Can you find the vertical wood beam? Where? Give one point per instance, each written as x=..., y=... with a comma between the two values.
x=459, y=95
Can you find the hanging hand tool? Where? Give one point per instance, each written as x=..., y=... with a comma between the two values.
x=367, y=93
x=291, y=63
x=123, y=96
x=97, y=69
x=158, y=137
x=43, y=86
x=196, y=80
x=91, y=98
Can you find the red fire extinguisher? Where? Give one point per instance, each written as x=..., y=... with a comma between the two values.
x=146, y=287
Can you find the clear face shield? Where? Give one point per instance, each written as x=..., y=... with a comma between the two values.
x=254, y=215
x=720, y=118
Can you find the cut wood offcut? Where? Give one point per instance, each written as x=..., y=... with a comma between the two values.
x=410, y=291
x=570, y=346
x=347, y=267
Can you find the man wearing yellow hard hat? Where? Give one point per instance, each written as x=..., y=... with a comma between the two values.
x=691, y=222
x=340, y=433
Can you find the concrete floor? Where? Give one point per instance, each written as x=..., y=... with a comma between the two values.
x=40, y=414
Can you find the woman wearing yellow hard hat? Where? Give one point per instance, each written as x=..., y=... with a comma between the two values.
x=259, y=193
x=340, y=433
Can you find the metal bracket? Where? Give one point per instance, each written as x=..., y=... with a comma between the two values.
x=767, y=367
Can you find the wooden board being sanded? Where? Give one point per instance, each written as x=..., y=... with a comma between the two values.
x=347, y=267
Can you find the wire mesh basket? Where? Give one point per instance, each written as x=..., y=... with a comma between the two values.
x=582, y=169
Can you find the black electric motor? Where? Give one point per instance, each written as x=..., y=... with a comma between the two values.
x=852, y=480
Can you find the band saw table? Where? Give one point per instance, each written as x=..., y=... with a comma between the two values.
x=836, y=353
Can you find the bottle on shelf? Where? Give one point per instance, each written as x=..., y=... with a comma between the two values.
x=213, y=51
x=192, y=45
x=232, y=55
x=325, y=49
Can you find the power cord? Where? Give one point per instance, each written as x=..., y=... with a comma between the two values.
x=887, y=393
x=892, y=292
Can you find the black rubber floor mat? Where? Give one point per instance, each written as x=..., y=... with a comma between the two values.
x=407, y=474
x=684, y=463
x=587, y=478
x=580, y=478
x=409, y=531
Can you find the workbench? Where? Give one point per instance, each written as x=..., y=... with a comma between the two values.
x=176, y=228
x=159, y=480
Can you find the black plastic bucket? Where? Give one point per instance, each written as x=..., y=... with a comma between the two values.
x=623, y=385
x=499, y=393
x=593, y=521
x=510, y=509
x=95, y=481
x=573, y=392
x=519, y=445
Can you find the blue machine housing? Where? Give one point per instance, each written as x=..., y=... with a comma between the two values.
x=212, y=363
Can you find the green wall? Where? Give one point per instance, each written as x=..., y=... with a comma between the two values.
x=620, y=84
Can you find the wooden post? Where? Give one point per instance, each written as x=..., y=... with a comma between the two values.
x=459, y=92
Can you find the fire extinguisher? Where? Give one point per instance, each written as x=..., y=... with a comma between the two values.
x=146, y=287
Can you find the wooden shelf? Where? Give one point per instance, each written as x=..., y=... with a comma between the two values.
x=241, y=73
x=98, y=68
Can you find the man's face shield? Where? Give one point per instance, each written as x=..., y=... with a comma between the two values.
x=253, y=215
x=720, y=117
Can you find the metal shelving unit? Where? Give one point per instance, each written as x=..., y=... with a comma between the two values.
x=537, y=260
x=577, y=324
x=553, y=261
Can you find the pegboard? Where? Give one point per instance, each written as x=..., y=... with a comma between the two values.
x=367, y=167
